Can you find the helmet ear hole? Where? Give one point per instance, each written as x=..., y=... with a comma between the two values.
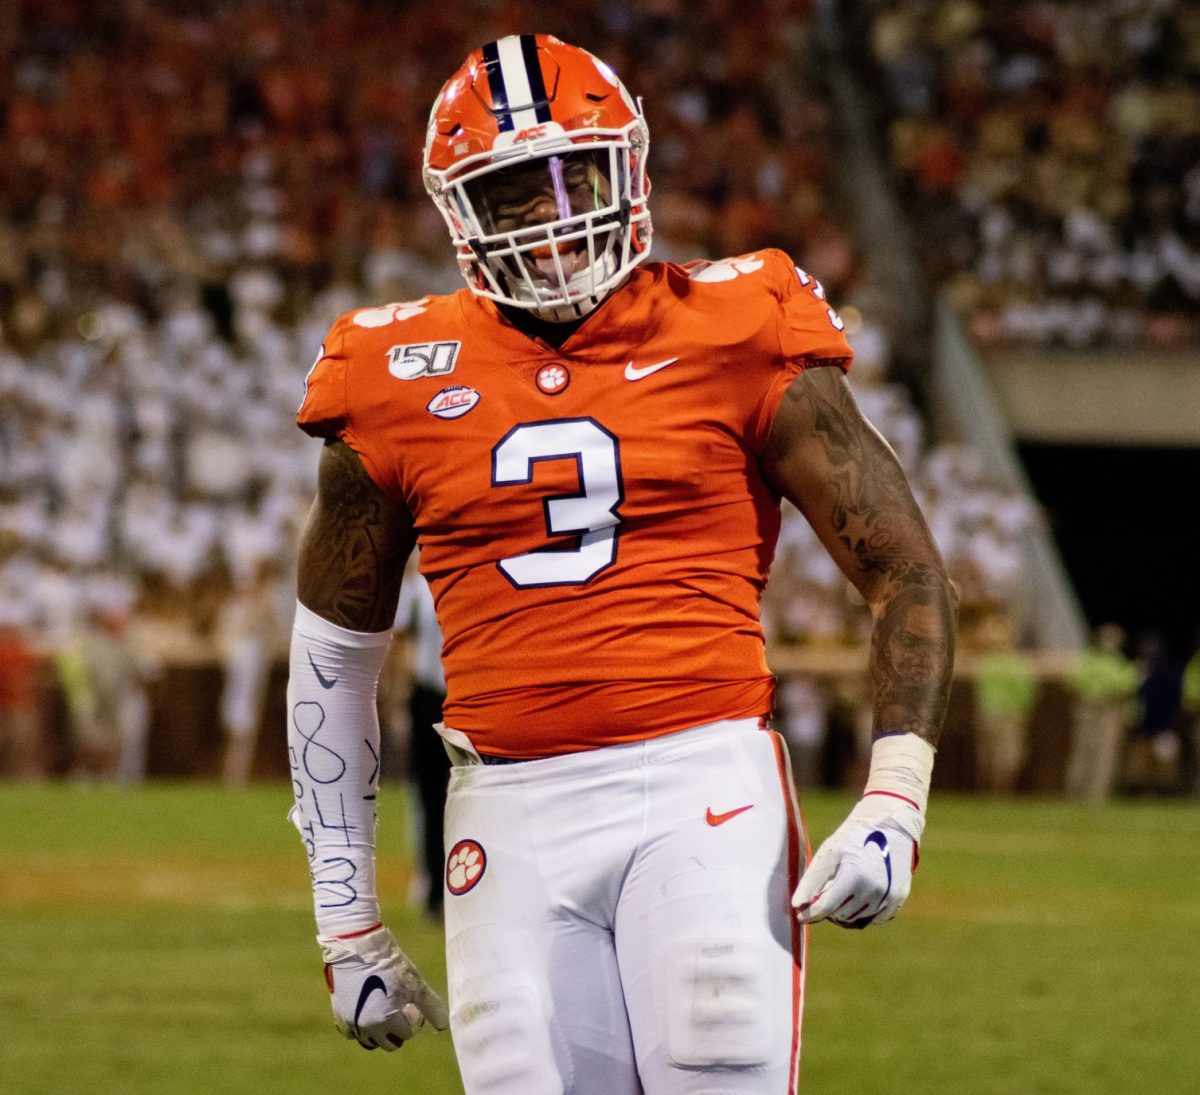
x=640, y=241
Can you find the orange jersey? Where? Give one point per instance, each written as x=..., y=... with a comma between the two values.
x=592, y=520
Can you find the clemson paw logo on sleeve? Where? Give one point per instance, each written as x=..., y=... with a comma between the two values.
x=390, y=313
x=726, y=269
x=465, y=866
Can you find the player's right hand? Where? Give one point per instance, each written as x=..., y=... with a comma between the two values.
x=379, y=999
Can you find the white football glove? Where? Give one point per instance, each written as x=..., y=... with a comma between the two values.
x=379, y=999
x=862, y=874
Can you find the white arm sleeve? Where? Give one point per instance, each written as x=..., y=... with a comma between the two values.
x=333, y=749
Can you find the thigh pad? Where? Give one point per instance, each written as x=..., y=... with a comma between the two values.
x=718, y=1002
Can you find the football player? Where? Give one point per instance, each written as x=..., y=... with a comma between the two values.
x=590, y=449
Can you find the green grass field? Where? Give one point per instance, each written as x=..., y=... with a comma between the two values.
x=160, y=941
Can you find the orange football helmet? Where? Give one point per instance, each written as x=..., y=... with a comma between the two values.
x=535, y=154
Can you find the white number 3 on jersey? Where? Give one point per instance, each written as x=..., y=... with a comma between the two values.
x=590, y=516
x=818, y=291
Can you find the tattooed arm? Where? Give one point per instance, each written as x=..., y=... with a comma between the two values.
x=354, y=547
x=829, y=461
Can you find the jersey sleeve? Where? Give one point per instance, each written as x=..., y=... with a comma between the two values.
x=809, y=334
x=810, y=331
x=325, y=410
x=339, y=403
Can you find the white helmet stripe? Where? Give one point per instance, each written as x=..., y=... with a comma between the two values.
x=516, y=82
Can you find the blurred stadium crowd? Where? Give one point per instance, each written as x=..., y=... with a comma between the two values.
x=1052, y=153
x=190, y=194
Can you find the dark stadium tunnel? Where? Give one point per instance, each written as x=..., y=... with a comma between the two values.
x=1126, y=523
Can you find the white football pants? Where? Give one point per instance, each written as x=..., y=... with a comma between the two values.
x=618, y=921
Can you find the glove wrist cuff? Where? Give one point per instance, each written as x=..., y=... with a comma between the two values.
x=901, y=768
x=372, y=945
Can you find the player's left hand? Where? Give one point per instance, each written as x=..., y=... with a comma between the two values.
x=379, y=998
x=862, y=874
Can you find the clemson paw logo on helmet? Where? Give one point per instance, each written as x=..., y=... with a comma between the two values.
x=465, y=866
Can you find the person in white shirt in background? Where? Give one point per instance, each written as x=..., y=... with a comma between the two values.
x=104, y=682
x=246, y=631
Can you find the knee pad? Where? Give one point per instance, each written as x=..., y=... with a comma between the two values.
x=504, y=1034
x=718, y=1003
x=504, y=1045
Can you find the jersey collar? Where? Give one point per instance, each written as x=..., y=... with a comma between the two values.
x=627, y=317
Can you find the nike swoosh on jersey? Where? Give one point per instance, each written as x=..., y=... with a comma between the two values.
x=634, y=373
x=720, y=819
x=320, y=680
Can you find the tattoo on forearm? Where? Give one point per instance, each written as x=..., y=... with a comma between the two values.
x=354, y=548
x=912, y=653
x=888, y=550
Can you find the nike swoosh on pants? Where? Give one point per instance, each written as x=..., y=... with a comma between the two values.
x=720, y=819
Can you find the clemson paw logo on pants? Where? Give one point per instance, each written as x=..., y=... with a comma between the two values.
x=465, y=866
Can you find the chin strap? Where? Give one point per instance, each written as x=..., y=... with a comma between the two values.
x=566, y=313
